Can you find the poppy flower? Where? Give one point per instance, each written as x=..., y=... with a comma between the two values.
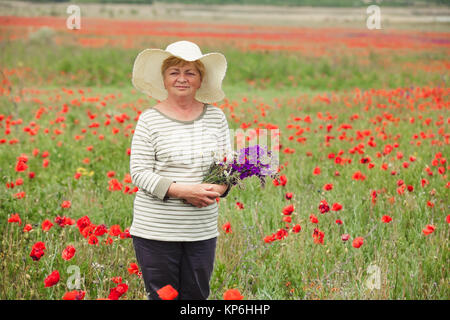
x=167, y=293
x=74, y=295
x=227, y=227
x=429, y=229
x=100, y=230
x=15, y=218
x=27, y=228
x=232, y=294
x=336, y=207
x=328, y=187
x=287, y=219
x=269, y=239
x=345, y=237
x=51, y=279
x=239, y=205
x=134, y=269
x=338, y=221
x=287, y=210
x=323, y=206
x=386, y=219
x=37, y=251
x=117, y=292
x=358, y=242
x=66, y=204
x=316, y=171
x=318, y=236
x=313, y=219
x=447, y=219
x=93, y=240
x=296, y=228
x=115, y=230
x=68, y=253
x=288, y=195
x=46, y=225
x=21, y=166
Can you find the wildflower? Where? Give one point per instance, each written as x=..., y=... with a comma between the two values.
x=287, y=210
x=232, y=294
x=386, y=219
x=52, y=279
x=336, y=207
x=68, y=253
x=46, y=225
x=37, y=251
x=429, y=229
x=318, y=236
x=167, y=293
x=74, y=295
x=117, y=292
x=358, y=242
x=15, y=218
x=345, y=237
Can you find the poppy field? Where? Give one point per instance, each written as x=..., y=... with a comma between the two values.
x=360, y=209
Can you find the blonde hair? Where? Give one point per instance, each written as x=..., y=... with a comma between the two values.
x=175, y=61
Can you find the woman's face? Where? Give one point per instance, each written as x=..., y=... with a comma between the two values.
x=182, y=81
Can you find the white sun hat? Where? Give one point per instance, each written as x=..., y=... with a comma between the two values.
x=148, y=79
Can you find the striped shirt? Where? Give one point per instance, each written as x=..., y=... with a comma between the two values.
x=165, y=151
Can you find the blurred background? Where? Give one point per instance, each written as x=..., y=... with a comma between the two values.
x=320, y=44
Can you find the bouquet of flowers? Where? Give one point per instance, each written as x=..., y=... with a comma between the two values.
x=246, y=163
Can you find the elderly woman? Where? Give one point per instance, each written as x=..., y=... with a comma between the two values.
x=174, y=226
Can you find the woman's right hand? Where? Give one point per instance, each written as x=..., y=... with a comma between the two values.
x=199, y=195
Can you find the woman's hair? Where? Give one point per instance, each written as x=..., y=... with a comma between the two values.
x=175, y=61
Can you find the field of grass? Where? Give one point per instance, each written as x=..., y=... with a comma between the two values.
x=364, y=124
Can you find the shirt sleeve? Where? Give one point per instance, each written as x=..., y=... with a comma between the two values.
x=142, y=163
x=225, y=145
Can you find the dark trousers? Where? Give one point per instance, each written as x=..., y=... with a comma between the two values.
x=186, y=266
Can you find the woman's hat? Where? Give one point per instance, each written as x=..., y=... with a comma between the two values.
x=148, y=79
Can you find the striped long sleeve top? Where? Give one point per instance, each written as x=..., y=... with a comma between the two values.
x=165, y=151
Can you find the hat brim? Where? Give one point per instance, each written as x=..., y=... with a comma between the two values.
x=147, y=77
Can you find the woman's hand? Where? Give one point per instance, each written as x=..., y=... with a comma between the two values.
x=200, y=195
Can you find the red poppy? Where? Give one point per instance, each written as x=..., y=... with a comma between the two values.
x=386, y=219
x=296, y=228
x=232, y=294
x=288, y=195
x=448, y=218
x=52, y=279
x=117, y=292
x=313, y=218
x=323, y=206
x=345, y=237
x=336, y=207
x=37, y=251
x=21, y=166
x=68, y=252
x=239, y=205
x=358, y=242
x=429, y=229
x=15, y=218
x=66, y=204
x=100, y=230
x=74, y=295
x=46, y=225
x=27, y=228
x=93, y=240
x=318, y=236
x=287, y=210
x=338, y=221
x=227, y=227
x=316, y=171
x=287, y=219
x=115, y=230
x=328, y=187
x=134, y=269
x=167, y=293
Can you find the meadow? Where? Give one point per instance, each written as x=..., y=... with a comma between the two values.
x=360, y=209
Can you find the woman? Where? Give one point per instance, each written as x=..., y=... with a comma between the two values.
x=174, y=226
